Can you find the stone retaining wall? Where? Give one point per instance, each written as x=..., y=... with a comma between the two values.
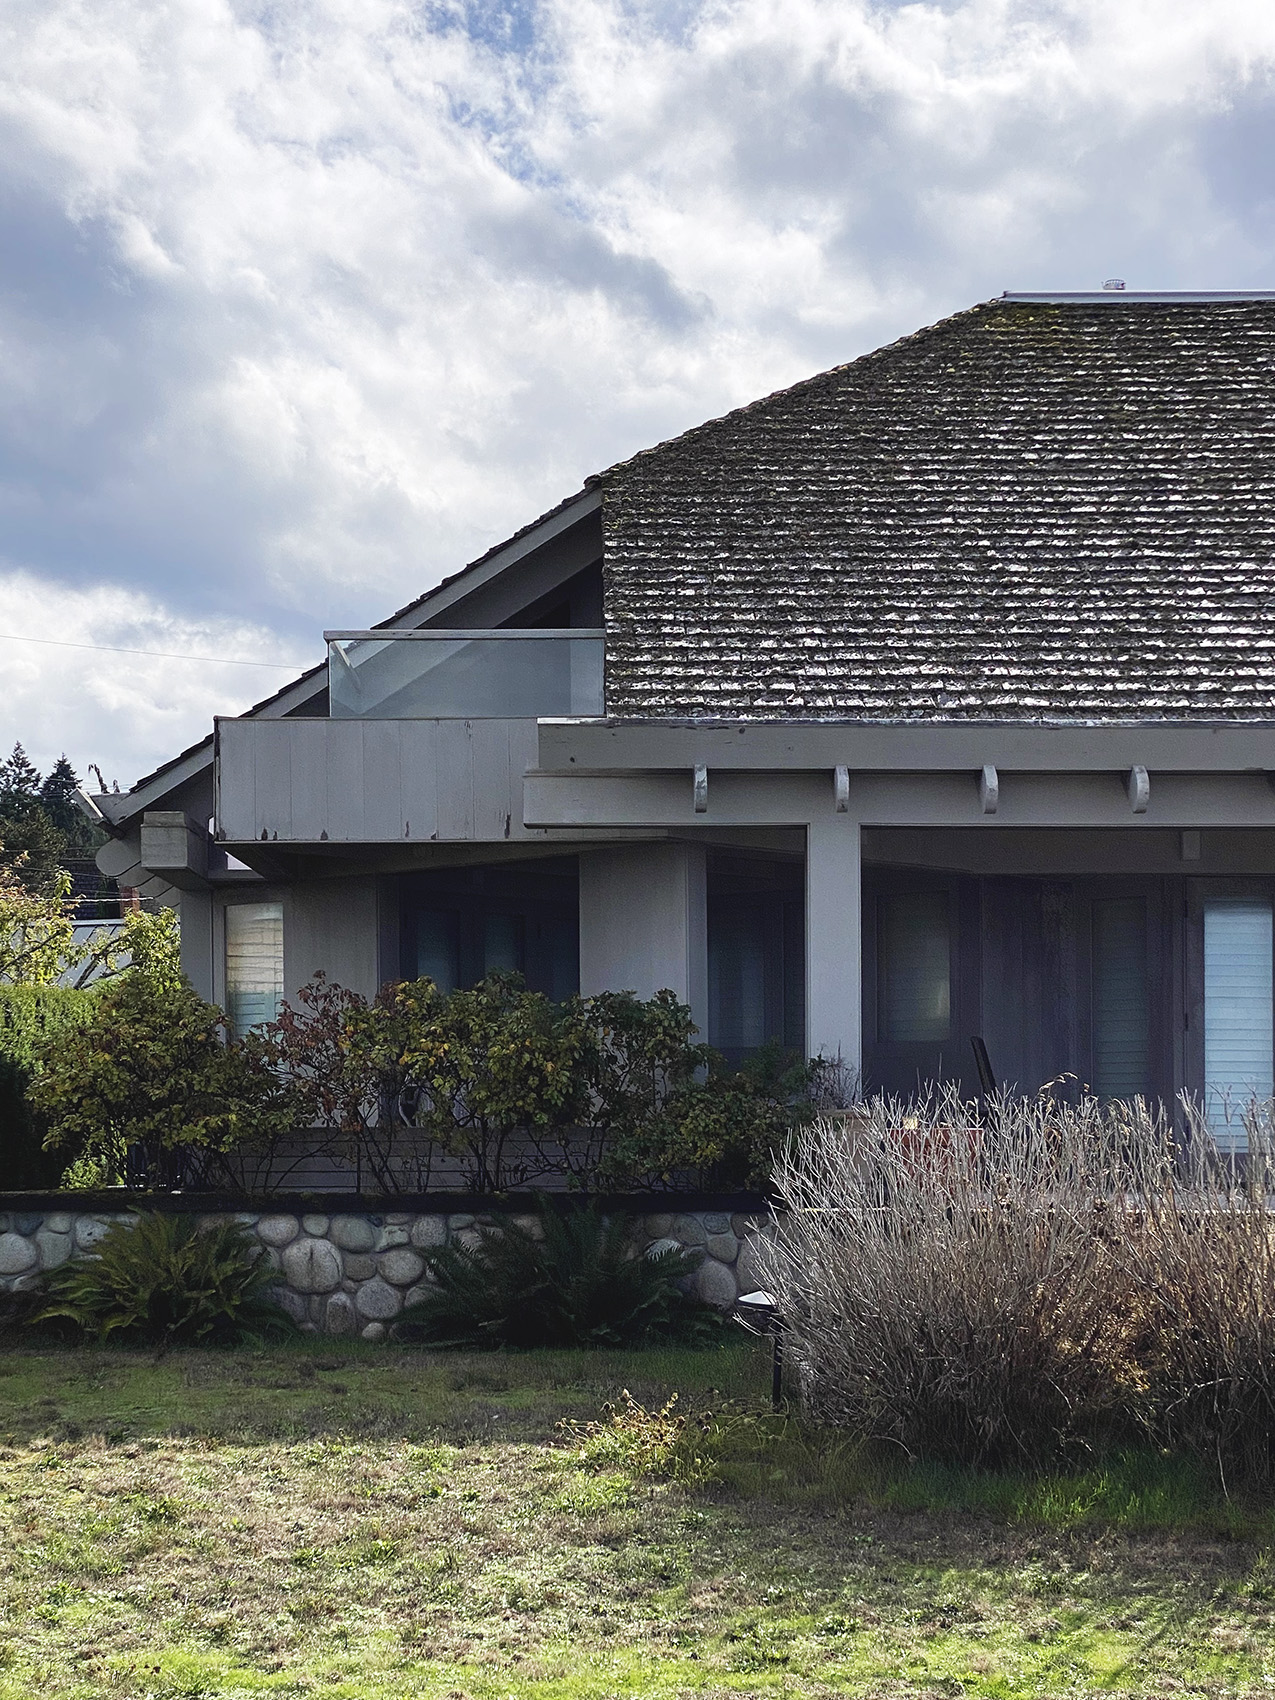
x=353, y=1274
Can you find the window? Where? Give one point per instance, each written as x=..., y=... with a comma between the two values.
x=437, y=949
x=737, y=979
x=502, y=944
x=1238, y=1026
x=914, y=975
x=1121, y=1004
x=459, y=925
x=254, y=964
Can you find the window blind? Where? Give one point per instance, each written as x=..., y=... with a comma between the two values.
x=1122, y=1014
x=254, y=963
x=914, y=994
x=1239, y=1031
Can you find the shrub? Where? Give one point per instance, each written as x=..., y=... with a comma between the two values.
x=150, y=1072
x=1203, y=1256
x=472, y=1068
x=666, y=1109
x=611, y=1090
x=165, y=1280
x=30, y=1016
x=950, y=1283
x=579, y=1285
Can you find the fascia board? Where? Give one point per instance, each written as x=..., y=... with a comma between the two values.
x=473, y=578
x=574, y=746
x=121, y=807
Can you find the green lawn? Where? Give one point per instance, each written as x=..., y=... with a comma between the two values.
x=350, y=1521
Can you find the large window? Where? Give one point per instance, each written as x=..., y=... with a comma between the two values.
x=756, y=954
x=1239, y=1042
x=1121, y=1001
x=254, y=963
x=461, y=924
x=914, y=968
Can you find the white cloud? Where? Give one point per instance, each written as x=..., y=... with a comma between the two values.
x=303, y=305
x=100, y=703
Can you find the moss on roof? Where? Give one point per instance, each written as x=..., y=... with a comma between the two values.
x=1037, y=511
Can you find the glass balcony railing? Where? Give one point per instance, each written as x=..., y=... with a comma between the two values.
x=455, y=675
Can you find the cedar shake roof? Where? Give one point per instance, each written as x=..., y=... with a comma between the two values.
x=1036, y=510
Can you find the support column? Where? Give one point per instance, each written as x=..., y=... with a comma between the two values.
x=195, y=917
x=834, y=969
x=644, y=923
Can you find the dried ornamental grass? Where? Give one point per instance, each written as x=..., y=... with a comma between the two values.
x=1205, y=1263
x=951, y=1279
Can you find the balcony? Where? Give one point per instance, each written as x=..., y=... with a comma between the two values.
x=464, y=675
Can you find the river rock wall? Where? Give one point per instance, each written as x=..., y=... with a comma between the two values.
x=353, y=1274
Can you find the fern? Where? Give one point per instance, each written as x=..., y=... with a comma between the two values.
x=579, y=1285
x=163, y=1279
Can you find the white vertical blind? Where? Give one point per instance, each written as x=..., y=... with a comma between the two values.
x=1122, y=1015
x=1239, y=1029
x=914, y=974
x=254, y=963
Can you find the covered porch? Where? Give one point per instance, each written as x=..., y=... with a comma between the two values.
x=1130, y=962
x=1093, y=902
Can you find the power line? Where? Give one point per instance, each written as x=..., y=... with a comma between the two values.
x=158, y=654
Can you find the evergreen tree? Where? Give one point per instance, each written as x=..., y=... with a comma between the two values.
x=19, y=784
x=57, y=797
x=31, y=846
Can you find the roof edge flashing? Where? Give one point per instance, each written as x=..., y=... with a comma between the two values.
x=1116, y=296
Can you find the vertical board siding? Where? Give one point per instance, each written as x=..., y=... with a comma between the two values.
x=307, y=781
x=382, y=789
x=1238, y=1018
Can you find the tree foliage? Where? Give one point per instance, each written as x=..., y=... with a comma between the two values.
x=151, y=1072
x=37, y=932
x=41, y=826
x=30, y=1017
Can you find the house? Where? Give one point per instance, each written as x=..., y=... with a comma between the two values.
x=929, y=700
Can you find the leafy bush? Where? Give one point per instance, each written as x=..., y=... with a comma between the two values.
x=610, y=1091
x=30, y=1016
x=165, y=1280
x=951, y=1282
x=471, y=1068
x=578, y=1285
x=150, y=1073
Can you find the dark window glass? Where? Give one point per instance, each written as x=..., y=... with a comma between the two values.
x=914, y=973
x=502, y=944
x=437, y=948
x=1122, y=1009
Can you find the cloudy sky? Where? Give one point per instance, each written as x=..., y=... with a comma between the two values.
x=304, y=304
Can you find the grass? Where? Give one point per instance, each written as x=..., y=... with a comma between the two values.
x=356, y=1522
